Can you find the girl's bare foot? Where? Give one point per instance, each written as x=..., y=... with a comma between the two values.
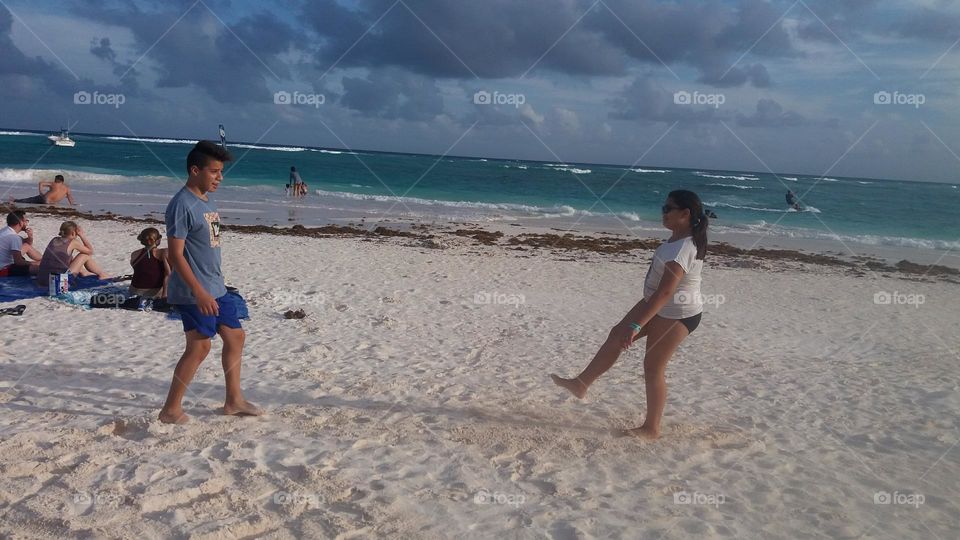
x=173, y=417
x=242, y=408
x=642, y=432
x=577, y=388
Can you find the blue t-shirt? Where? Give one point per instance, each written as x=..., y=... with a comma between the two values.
x=197, y=222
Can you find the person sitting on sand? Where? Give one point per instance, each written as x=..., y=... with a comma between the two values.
x=17, y=254
x=59, y=256
x=669, y=311
x=56, y=191
x=196, y=288
x=150, y=266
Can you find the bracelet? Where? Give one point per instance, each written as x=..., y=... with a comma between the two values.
x=636, y=327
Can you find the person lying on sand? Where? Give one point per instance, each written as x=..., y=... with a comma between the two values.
x=670, y=310
x=56, y=192
x=17, y=254
x=196, y=288
x=151, y=269
x=59, y=256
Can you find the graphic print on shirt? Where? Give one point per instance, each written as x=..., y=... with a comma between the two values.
x=213, y=226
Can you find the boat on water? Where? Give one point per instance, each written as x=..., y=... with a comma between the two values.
x=62, y=139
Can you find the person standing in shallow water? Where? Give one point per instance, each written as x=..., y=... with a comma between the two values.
x=670, y=310
x=196, y=288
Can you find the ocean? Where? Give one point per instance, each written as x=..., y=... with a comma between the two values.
x=134, y=175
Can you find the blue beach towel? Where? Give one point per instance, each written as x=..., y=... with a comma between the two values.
x=14, y=289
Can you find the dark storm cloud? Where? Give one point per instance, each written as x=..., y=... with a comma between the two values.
x=644, y=99
x=769, y=113
x=23, y=77
x=102, y=49
x=929, y=24
x=393, y=93
x=828, y=20
x=504, y=38
x=232, y=65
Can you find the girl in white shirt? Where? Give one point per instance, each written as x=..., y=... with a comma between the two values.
x=669, y=312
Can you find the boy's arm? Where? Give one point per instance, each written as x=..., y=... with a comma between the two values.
x=205, y=301
x=70, y=197
x=42, y=185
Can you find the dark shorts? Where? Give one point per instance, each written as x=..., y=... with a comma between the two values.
x=230, y=310
x=691, y=322
x=15, y=270
x=36, y=199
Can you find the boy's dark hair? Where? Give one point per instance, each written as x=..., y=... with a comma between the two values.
x=58, y=178
x=15, y=217
x=293, y=169
x=204, y=152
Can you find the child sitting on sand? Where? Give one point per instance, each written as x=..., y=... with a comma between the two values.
x=59, y=256
x=150, y=266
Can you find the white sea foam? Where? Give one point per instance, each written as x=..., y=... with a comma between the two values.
x=790, y=178
x=862, y=182
x=737, y=186
x=37, y=175
x=515, y=167
x=275, y=148
x=574, y=170
x=159, y=141
x=867, y=239
x=725, y=177
x=827, y=179
x=531, y=210
x=638, y=170
x=810, y=209
x=21, y=133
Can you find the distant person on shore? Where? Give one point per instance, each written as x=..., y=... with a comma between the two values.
x=792, y=200
x=59, y=256
x=151, y=268
x=17, y=254
x=670, y=310
x=196, y=287
x=296, y=183
x=56, y=192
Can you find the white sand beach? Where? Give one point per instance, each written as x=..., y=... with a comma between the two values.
x=414, y=402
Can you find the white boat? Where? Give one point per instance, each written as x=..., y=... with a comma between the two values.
x=62, y=139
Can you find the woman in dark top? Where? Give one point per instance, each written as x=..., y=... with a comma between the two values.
x=150, y=266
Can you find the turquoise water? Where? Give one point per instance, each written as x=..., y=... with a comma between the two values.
x=914, y=214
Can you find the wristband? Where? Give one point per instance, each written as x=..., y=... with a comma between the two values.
x=636, y=327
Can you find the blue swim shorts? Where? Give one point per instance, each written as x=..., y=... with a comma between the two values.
x=232, y=309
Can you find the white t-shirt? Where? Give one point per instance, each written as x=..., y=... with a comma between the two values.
x=10, y=241
x=686, y=301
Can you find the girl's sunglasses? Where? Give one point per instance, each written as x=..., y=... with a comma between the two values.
x=666, y=209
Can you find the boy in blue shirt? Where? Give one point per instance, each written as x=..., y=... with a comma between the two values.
x=196, y=288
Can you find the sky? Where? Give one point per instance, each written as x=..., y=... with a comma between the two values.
x=865, y=88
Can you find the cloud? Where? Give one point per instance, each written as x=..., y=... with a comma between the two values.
x=189, y=46
x=503, y=38
x=929, y=24
x=393, y=93
x=769, y=113
x=24, y=78
x=645, y=99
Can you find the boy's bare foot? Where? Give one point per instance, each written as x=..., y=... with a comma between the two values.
x=577, y=388
x=173, y=417
x=642, y=432
x=243, y=408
